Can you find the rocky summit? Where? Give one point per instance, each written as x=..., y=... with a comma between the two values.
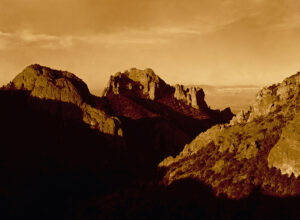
x=134, y=82
x=144, y=85
x=162, y=117
x=62, y=86
x=190, y=95
x=260, y=147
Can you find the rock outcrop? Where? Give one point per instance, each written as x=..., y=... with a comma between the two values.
x=285, y=155
x=270, y=98
x=162, y=117
x=190, y=95
x=140, y=83
x=62, y=86
x=237, y=157
x=146, y=84
x=137, y=87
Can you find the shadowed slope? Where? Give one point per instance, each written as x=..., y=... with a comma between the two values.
x=46, y=157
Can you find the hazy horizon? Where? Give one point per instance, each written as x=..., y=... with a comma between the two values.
x=221, y=43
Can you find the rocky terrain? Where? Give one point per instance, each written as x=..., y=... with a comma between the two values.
x=67, y=154
x=258, y=148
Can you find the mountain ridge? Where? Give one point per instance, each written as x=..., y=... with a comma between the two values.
x=246, y=150
x=133, y=98
x=136, y=84
x=45, y=83
x=56, y=163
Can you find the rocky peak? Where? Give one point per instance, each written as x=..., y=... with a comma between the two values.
x=135, y=82
x=47, y=83
x=190, y=95
x=146, y=84
x=64, y=87
x=270, y=99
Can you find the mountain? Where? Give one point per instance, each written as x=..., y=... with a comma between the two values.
x=68, y=154
x=236, y=97
x=258, y=148
x=160, y=117
x=134, y=85
x=137, y=106
x=62, y=86
x=60, y=142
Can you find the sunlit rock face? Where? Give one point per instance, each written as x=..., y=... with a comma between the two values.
x=270, y=99
x=237, y=157
x=45, y=83
x=190, y=95
x=146, y=84
x=137, y=83
x=285, y=155
x=62, y=86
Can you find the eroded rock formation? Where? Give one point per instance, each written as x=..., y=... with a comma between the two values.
x=190, y=95
x=270, y=99
x=134, y=82
x=146, y=84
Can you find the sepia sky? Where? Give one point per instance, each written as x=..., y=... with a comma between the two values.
x=217, y=42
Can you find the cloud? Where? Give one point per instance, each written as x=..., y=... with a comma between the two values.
x=4, y=40
x=150, y=36
x=29, y=37
x=26, y=38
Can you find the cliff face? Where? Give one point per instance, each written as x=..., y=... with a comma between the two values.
x=48, y=84
x=137, y=83
x=285, y=155
x=145, y=85
x=270, y=99
x=237, y=157
x=190, y=95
